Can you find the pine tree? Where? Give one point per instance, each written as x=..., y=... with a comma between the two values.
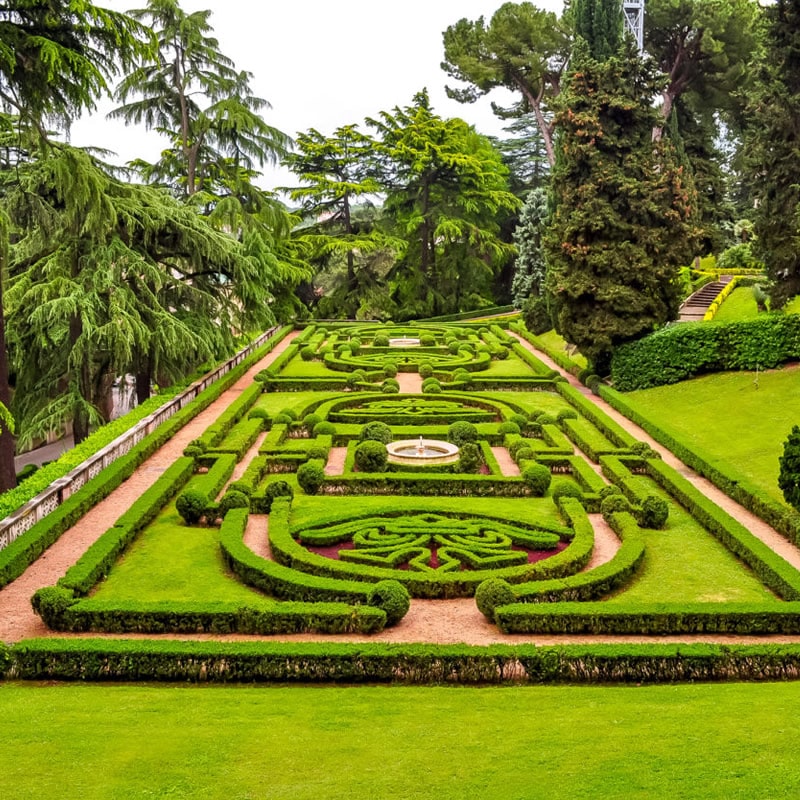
x=789, y=475
x=623, y=220
x=773, y=123
x=529, y=272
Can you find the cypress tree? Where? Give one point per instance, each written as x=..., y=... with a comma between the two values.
x=623, y=219
x=773, y=122
x=599, y=23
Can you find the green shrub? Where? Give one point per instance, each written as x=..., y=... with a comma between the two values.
x=425, y=369
x=536, y=315
x=537, y=477
x=507, y=427
x=390, y=388
x=609, y=490
x=453, y=347
x=191, y=505
x=324, y=428
x=355, y=345
x=380, y=340
x=653, y=513
x=524, y=454
x=282, y=419
x=392, y=597
x=311, y=476
x=493, y=593
x=196, y=448
x=241, y=486
x=307, y=353
x=613, y=504
x=427, y=340
x=318, y=451
x=644, y=450
x=376, y=431
x=259, y=413
x=371, y=456
x=433, y=387
x=310, y=421
x=233, y=499
x=390, y=370
x=566, y=489
x=546, y=419
x=519, y=419
x=279, y=488
x=469, y=457
x=566, y=413
x=289, y=412
x=461, y=432
x=789, y=473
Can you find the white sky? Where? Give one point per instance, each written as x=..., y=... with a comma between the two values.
x=322, y=64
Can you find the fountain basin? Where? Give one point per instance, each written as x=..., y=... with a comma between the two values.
x=404, y=342
x=421, y=452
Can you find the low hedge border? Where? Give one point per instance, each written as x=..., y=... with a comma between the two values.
x=215, y=433
x=724, y=477
x=651, y=619
x=22, y=552
x=312, y=662
x=558, y=356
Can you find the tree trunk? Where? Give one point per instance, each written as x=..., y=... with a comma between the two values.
x=8, y=474
x=144, y=378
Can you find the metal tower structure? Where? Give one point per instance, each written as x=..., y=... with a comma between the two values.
x=634, y=19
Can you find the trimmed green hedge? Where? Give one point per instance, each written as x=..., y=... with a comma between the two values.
x=305, y=662
x=682, y=351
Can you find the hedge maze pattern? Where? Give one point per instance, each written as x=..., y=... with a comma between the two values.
x=348, y=549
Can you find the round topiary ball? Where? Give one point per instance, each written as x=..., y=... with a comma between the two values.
x=390, y=370
x=427, y=340
x=371, y=456
x=311, y=476
x=608, y=491
x=324, y=428
x=461, y=432
x=380, y=340
x=654, y=512
x=233, y=499
x=392, y=597
x=493, y=593
x=191, y=505
x=566, y=489
x=425, y=369
x=376, y=431
x=307, y=353
x=537, y=477
x=469, y=458
x=434, y=387
x=310, y=420
x=613, y=504
x=507, y=427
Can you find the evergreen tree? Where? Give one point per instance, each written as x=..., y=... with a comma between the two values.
x=445, y=188
x=789, y=475
x=773, y=126
x=623, y=220
x=530, y=265
x=600, y=24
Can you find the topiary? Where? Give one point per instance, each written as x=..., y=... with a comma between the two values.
x=392, y=597
x=259, y=413
x=279, y=488
x=469, y=458
x=613, y=504
x=507, y=427
x=608, y=491
x=546, y=419
x=318, y=451
x=519, y=419
x=311, y=476
x=190, y=451
x=376, y=431
x=191, y=505
x=644, y=450
x=355, y=345
x=390, y=370
x=324, y=428
x=461, y=432
x=566, y=413
x=789, y=473
x=427, y=340
x=307, y=353
x=453, y=347
x=233, y=499
x=390, y=388
x=434, y=387
x=653, y=513
x=282, y=419
x=425, y=369
x=566, y=489
x=371, y=456
x=537, y=477
x=525, y=454
x=493, y=593
x=198, y=445
x=310, y=420
x=241, y=486
x=289, y=412
x=380, y=340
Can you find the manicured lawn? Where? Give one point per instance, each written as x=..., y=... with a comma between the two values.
x=685, y=563
x=692, y=741
x=556, y=342
x=297, y=368
x=740, y=304
x=736, y=418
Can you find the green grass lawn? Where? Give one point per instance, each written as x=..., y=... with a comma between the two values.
x=739, y=419
x=554, y=341
x=405, y=743
x=739, y=305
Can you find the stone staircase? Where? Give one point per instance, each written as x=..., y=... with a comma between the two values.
x=695, y=307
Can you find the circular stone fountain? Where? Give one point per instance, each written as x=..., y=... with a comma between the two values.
x=421, y=451
x=404, y=342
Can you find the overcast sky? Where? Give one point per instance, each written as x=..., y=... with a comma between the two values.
x=322, y=64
